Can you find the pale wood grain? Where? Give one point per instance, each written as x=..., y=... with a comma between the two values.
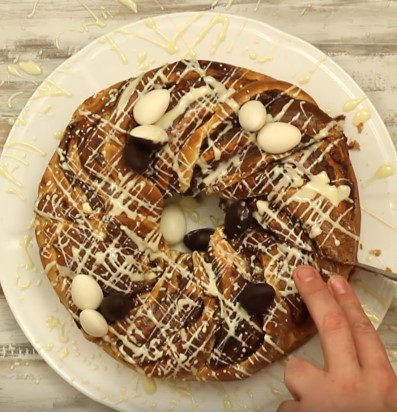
x=340, y=29
x=361, y=36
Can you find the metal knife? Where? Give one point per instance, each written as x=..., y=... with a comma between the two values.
x=373, y=269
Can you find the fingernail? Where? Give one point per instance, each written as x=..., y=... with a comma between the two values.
x=305, y=273
x=338, y=285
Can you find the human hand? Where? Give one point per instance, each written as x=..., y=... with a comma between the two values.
x=357, y=375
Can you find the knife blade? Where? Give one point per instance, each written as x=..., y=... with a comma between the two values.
x=377, y=271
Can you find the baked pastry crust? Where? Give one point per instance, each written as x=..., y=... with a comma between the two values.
x=96, y=216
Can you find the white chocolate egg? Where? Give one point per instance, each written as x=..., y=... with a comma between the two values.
x=252, y=116
x=86, y=292
x=151, y=133
x=278, y=137
x=173, y=224
x=150, y=107
x=93, y=323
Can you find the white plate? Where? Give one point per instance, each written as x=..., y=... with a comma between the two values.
x=125, y=53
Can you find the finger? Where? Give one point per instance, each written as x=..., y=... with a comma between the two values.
x=336, y=338
x=370, y=350
x=288, y=406
x=295, y=369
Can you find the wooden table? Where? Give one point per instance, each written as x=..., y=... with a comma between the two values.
x=361, y=36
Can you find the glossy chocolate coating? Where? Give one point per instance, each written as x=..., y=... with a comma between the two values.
x=255, y=298
x=198, y=239
x=146, y=144
x=115, y=306
x=238, y=218
x=137, y=156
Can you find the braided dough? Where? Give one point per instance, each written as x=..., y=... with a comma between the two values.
x=96, y=216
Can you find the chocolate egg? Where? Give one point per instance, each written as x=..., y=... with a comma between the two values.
x=173, y=224
x=238, y=218
x=86, y=292
x=137, y=156
x=278, y=137
x=93, y=323
x=198, y=239
x=256, y=298
x=115, y=306
x=150, y=107
x=252, y=116
x=150, y=137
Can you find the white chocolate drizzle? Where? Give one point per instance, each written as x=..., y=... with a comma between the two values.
x=130, y=4
x=109, y=39
x=382, y=172
x=104, y=220
x=361, y=117
x=50, y=88
x=307, y=77
x=30, y=67
x=352, y=104
x=97, y=20
x=13, y=71
x=379, y=218
x=320, y=184
x=170, y=44
x=11, y=99
x=34, y=9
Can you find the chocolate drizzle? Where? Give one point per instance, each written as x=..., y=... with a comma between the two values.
x=229, y=307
